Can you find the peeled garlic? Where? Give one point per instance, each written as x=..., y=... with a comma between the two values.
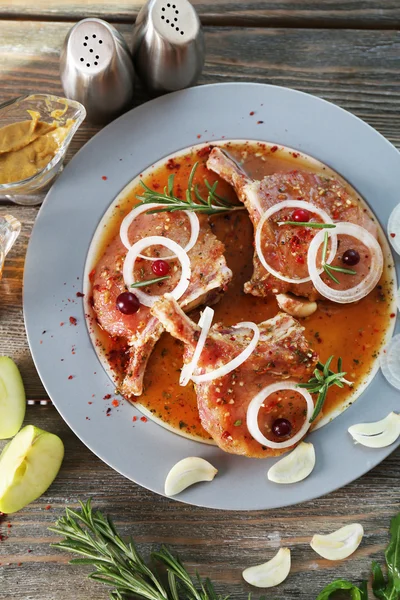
x=294, y=467
x=379, y=434
x=186, y=472
x=339, y=544
x=295, y=306
x=270, y=573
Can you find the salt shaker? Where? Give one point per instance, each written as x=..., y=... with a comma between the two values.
x=168, y=45
x=96, y=69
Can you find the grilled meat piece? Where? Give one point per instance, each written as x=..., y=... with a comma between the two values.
x=209, y=277
x=282, y=351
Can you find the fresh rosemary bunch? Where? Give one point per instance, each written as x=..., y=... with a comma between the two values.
x=322, y=380
x=328, y=268
x=194, y=201
x=94, y=537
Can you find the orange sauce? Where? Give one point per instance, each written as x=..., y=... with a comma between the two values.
x=354, y=331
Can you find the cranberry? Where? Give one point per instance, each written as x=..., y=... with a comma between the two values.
x=160, y=268
x=300, y=215
x=128, y=303
x=281, y=427
x=351, y=257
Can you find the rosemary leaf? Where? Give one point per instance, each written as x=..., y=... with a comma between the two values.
x=330, y=274
x=342, y=270
x=139, y=284
x=310, y=224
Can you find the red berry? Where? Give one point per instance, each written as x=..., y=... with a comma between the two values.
x=281, y=427
x=127, y=303
x=300, y=215
x=160, y=268
x=351, y=257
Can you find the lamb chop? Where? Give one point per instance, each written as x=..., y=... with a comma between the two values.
x=141, y=330
x=287, y=247
x=282, y=351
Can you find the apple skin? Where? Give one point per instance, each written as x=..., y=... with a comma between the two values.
x=12, y=398
x=28, y=466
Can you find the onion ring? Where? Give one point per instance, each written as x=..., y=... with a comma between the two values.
x=235, y=362
x=254, y=407
x=292, y=204
x=132, y=255
x=389, y=360
x=363, y=288
x=393, y=228
x=205, y=324
x=142, y=208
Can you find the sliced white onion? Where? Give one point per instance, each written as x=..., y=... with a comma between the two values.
x=393, y=228
x=378, y=434
x=142, y=208
x=156, y=240
x=292, y=204
x=390, y=361
x=205, y=324
x=254, y=407
x=365, y=286
x=235, y=362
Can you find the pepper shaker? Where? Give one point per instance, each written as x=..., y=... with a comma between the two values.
x=168, y=45
x=96, y=69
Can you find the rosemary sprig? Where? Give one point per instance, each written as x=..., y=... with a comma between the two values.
x=328, y=268
x=118, y=564
x=308, y=224
x=322, y=380
x=139, y=284
x=194, y=201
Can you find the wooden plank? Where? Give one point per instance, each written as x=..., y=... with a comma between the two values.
x=239, y=539
x=290, y=13
x=358, y=70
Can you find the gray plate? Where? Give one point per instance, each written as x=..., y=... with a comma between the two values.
x=144, y=452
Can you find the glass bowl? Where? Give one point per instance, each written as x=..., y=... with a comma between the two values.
x=50, y=108
x=9, y=231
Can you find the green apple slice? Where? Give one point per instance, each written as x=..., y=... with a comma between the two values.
x=12, y=398
x=28, y=465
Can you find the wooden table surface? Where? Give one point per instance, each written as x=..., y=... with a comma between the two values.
x=346, y=51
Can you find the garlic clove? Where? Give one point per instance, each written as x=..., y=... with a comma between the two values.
x=271, y=573
x=378, y=434
x=296, y=306
x=186, y=472
x=340, y=544
x=295, y=467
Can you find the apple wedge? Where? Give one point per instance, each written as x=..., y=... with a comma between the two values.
x=28, y=465
x=12, y=398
